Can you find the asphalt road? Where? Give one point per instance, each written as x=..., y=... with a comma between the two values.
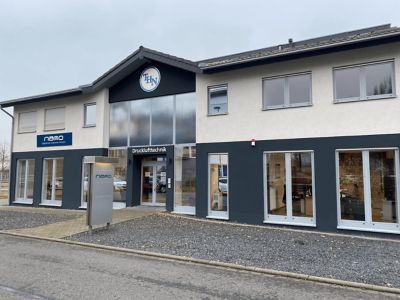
x=32, y=269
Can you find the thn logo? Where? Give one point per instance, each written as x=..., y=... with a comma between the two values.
x=53, y=138
x=150, y=79
x=103, y=176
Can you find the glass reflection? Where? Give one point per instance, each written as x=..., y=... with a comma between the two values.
x=302, y=202
x=162, y=110
x=218, y=166
x=276, y=187
x=140, y=122
x=185, y=118
x=351, y=185
x=347, y=83
x=274, y=92
x=185, y=176
x=379, y=79
x=119, y=115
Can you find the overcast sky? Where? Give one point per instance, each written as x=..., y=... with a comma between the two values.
x=48, y=45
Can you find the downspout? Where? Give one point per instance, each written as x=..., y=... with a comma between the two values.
x=11, y=151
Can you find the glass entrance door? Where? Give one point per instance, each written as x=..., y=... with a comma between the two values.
x=154, y=183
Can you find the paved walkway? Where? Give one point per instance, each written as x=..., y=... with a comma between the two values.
x=78, y=223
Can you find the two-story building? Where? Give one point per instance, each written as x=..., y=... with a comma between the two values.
x=303, y=134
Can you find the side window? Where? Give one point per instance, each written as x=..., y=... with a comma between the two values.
x=27, y=122
x=90, y=115
x=218, y=100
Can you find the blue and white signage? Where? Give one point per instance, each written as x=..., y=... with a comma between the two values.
x=56, y=139
x=150, y=79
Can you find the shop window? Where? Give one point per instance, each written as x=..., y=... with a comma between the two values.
x=218, y=100
x=24, y=181
x=27, y=122
x=289, y=188
x=363, y=82
x=367, y=190
x=119, y=116
x=185, y=179
x=53, y=181
x=287, y=91
x=120, y=171
x=90, y=115
x=54, y=118
x=218, y=186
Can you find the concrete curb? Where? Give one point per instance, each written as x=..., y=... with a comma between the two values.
x=266, y=226
x=170, y=257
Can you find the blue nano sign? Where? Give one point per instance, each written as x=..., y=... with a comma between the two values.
x=56, y=139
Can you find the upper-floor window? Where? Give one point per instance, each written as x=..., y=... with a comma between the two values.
x=27, y=122
x=218, y=100
x=287, y=91
x=90, y=115
x=54, y=118
x=363, y=82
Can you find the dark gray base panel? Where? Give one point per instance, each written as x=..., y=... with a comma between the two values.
x=72, y=182
x=246, y=195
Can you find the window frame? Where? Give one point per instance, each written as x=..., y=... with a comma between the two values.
x=52, y=202
x=209, y=88
x=286, y=92
x=368, y=224
x=85, y=106
x=288, y=219
x=19, y=122
x=52, y=108
x=363, y=82
x=212, y=214
x=24, y=200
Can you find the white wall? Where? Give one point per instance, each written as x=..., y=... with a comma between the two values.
x=246, y=119
x=82, y=138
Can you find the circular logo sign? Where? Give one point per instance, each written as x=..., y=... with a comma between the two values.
x=150, y=79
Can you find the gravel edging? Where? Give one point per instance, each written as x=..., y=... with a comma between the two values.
x=338, y=257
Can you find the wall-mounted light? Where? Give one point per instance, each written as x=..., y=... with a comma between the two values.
x=253, y=142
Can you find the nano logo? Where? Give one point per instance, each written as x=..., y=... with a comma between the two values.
x=150, y=79
x=54, y=138
x=101, y=176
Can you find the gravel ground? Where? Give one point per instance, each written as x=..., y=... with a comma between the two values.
x=17, y=220
x=341, y=257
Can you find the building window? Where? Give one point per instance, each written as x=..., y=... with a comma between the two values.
x=27, y=122
x=54, y=119
x=86, y=170
x=90, y=115
x=120, y=171
x=53, y=179
x=24, y=181
x=287, y=91
x=289, y=188
x=185, y=179
x=218, y=186
x=368, y=189
x=364, y=82
x=218, y=100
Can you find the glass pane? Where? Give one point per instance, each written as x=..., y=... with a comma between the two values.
x=90, y=114
x=21, y=172
x=302, y=199
x=185, y=176
x=347, y=83
x=54, y=118
x=218, y=100
x=299, y=89
x=383, y=186
x=86, y=183
x=140, y=122
x=351, y=186
x=147, y=184
x=161, y=184
x=58, y=184
x=27, y=122
x=379, y=79
x=274, y=92
x=218, y=182
x=276, y=187
x=185, y=118
x=47, y=179
x=30, y=178
x=162, y=120
x=119, y=173
x=119, y=113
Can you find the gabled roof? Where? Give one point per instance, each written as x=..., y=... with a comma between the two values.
x=320, y=45
x=121, y=70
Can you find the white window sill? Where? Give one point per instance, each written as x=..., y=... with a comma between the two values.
x=369, y=229
x=51, y=203
x=290, y=223
x=29, y=202
x=184, y=213
x=370, y=98
x=217, y=217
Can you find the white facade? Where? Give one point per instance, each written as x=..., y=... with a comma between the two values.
x=82, y=137
x=246, y=119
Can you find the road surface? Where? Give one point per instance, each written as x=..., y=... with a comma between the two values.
x=33, y=269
